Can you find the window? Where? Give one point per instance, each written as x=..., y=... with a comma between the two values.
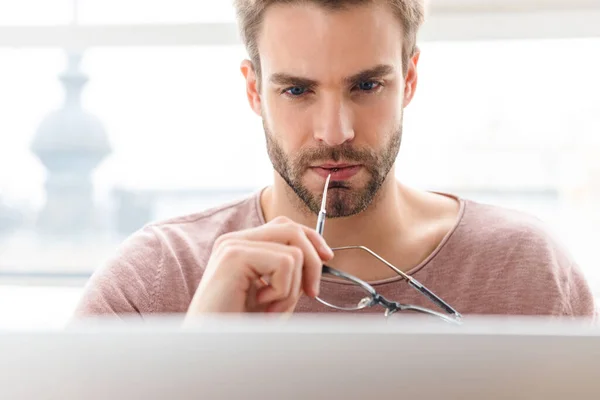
x=154, y=11
x=109, y=12
x=512, y=121
x=47, y=12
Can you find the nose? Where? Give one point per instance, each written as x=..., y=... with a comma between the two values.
x=333, y=124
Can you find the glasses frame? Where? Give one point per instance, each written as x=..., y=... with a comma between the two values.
x=391, y=307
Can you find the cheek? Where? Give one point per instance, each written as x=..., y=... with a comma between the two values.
x=375, y=122
x=287, y=123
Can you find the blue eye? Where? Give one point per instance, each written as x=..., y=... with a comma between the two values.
x=296, y=91
x=368, y=86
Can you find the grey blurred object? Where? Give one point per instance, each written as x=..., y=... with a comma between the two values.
x=10, y=218
x=133, y=210
x=71, y=143
x=304, y=357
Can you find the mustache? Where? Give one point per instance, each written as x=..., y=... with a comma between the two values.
x=341, y=153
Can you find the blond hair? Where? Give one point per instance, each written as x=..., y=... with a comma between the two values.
x=250, y=13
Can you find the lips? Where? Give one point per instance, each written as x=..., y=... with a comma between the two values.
x=338, y=172
x=335, y=166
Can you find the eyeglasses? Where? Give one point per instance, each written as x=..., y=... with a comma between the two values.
x=367, y=296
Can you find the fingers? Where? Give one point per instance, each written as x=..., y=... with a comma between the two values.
x=282, y=306
x=290, y=274
x=285, y=254
x=284, y=231
x=317, y=240
x=281, y=265
x=312, y=273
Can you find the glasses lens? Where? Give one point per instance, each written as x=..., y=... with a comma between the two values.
x=343, y=294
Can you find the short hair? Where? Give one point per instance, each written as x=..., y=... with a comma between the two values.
x=250, y=14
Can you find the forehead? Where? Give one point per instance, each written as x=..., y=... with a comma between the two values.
x=308, y=40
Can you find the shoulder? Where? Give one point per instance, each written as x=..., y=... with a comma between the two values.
x=489, y=219
x=498, y=228
x=157, y=268
x=191, y=235
x=204, y=227
x=522, y=251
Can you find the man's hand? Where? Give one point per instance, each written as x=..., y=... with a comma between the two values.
x=262, y=269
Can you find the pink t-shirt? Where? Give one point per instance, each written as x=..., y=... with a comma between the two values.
x=493, y=261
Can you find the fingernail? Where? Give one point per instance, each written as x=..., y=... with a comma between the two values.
x=327, y=250
x=316, y=288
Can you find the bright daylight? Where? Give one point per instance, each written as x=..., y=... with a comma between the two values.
x=492, y=120
x=116, y=115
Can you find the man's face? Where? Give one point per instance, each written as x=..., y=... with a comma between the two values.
x=331, y=96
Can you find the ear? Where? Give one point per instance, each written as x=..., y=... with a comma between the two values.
x=410, y=84
x=252, y=89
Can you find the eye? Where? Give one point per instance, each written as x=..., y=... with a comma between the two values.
x=295, y=91
x=368, y=86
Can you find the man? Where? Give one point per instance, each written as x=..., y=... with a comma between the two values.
x=330, y=80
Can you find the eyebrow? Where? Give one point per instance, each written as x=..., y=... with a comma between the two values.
x=284, y=79
x=378, y=71
x=371, y=73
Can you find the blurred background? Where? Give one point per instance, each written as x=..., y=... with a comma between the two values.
x=115, y=113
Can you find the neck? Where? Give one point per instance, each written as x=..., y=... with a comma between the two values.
x=381, y=224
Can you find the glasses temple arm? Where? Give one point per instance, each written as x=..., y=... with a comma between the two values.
x=412, y=281
x=433, y=297
x=409, y=307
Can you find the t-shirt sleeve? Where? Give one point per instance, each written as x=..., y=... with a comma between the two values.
x=126, y=283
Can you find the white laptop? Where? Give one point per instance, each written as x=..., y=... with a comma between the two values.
x=305, y=357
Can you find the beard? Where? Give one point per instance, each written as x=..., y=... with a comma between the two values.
x=343, y=200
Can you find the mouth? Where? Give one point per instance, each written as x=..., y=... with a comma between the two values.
x=338, y=172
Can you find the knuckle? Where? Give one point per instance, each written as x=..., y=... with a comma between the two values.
x=281, y=220
x=298, y=230
x=222, y=240
x=287, y=262
x=290, y=227
x=296, y=254
x=231, y=250
x=294, y=230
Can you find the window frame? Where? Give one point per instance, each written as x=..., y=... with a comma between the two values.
x=447, y=20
